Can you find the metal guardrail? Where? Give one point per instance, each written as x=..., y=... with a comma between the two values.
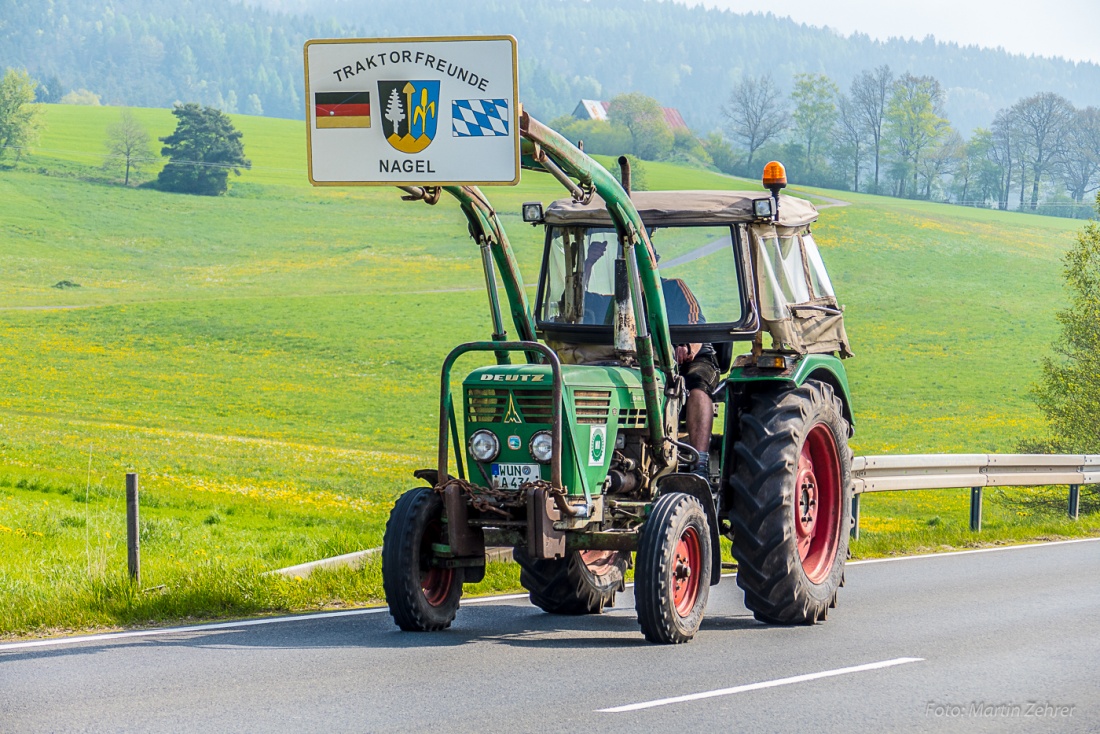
x=976, y=471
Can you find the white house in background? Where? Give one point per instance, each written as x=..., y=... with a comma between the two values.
x=594, y=109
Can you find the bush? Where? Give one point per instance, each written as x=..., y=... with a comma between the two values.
x=600, y=136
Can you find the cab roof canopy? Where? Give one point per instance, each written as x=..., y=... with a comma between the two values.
x=680, y=208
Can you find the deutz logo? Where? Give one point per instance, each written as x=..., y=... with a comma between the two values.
x=512, y=415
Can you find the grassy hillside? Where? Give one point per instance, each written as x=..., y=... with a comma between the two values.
x=268, y=362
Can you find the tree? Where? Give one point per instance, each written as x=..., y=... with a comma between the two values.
x=128, y=145
x=851, y=135
x=1068, y=393
x=755, y=113
x=50, y=90
x=1044, y=121
x=1080, y=163
x=870, y=90
x=978, y=177
x=1004, y=153
x=914, y=123
x=19, y=116
x=941, y=159
x=814, y=115
x=202, y=151
x=651, y=137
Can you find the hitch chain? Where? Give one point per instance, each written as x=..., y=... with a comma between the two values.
x=491, y=499
x=485, y=499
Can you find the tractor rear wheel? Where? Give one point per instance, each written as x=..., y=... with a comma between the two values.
x=792, y=503
x=421, y=596
x=584, y=582
x=672, y=578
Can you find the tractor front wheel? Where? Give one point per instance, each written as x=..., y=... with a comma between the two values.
x=421, y=596
x=672, y=578
x=582, y=583
x=792, y=503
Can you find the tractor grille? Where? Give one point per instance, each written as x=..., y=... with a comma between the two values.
x=632, y=418
x=537, y=406
x=592, y=406
x=491, y=405
x=486, y=406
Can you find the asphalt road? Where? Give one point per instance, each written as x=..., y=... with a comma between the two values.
x=913, y=646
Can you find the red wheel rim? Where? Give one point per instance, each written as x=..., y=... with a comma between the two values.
x=817, y=508
x=686, y=563
x=599, y=562
x=435, y=582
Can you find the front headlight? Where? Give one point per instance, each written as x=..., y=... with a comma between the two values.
x=484, y=446
x=542, y=447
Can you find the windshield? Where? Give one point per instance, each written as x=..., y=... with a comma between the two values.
x=698, y=267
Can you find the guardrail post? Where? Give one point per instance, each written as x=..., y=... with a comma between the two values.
x=976, y=509
x=132, y=529
x=855, y=517
x=1074, y=501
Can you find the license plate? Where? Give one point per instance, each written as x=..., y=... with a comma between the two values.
x=510, y=476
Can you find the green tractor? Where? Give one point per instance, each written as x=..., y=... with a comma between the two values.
x=576, y=447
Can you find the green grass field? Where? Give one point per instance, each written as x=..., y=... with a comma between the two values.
x=268, y=363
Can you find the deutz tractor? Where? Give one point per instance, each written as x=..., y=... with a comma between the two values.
x=573, y=448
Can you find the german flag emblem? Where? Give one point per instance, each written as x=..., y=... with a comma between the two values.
x=342, y=109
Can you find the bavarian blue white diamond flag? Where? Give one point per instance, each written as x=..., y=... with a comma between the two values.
x=472, y=118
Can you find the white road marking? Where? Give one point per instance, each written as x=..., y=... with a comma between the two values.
x=57, y=641
x=759, y=686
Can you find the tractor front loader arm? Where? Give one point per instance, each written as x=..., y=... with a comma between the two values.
x=545, y=149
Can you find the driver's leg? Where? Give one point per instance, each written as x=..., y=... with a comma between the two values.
x=701, y=378
x=700, y=419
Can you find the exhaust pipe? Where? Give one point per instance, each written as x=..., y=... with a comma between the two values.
x=624, y=173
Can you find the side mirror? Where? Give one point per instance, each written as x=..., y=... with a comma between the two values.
x=532, y=212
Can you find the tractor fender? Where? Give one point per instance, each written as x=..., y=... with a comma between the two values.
x=822, y=367
x=697, y=487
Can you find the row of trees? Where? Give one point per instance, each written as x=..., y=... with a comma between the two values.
x=202, y=151
x=890, y=134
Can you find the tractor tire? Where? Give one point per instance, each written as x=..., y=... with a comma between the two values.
x=792, y=503
x=421, y=597
x=582, y=583
x=672, y=577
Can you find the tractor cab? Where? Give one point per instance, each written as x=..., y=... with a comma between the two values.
x=705, y=244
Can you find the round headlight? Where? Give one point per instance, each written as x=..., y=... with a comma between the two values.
x=484, y=446
x=542, y=447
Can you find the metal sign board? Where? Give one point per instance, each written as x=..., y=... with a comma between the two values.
x=412, y=111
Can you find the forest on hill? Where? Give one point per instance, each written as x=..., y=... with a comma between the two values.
x=248, y=57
